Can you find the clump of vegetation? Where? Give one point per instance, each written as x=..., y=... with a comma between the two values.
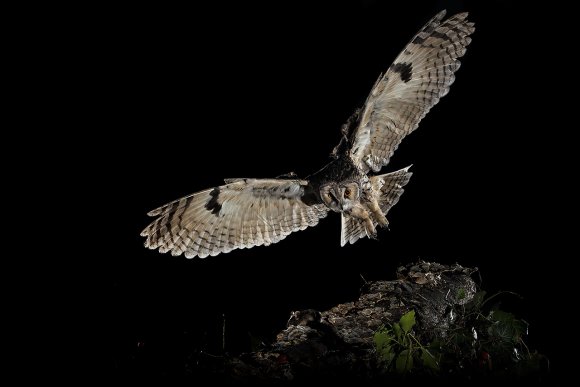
x=481, y=340
x=399, y=349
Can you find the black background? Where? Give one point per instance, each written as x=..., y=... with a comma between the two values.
x=183, y=98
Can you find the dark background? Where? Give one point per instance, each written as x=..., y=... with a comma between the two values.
x=187, y=97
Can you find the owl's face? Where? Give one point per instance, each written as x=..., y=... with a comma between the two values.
x=340, y=197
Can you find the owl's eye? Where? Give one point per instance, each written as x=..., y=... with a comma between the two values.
x=329, y=197
x=347, y=193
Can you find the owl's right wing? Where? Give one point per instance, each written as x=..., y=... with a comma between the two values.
x=240, y=214
x=417, y=79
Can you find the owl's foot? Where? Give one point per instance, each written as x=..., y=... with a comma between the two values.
x=360, y=213
x=381, y=219
x=378, y=215
x=372, y=234
x=370, y=227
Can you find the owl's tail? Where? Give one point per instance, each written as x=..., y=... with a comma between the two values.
x=388, y=188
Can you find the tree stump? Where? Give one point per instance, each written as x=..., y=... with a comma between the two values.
x=338, y=343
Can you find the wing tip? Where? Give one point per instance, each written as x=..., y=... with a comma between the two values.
x=154, y=212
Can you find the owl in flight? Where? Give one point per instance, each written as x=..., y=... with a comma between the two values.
x=244, y=213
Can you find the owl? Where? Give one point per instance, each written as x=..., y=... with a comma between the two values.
x=250, y=212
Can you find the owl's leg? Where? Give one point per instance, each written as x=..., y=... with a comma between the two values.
x=375, y=209
x=360, y=213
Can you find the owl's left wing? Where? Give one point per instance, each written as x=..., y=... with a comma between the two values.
x=417, y=79
x=240, y=214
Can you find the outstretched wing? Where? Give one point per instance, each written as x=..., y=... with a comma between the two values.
x=241, y=214
x=414, y=83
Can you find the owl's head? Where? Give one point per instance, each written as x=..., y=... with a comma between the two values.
x=340, y=197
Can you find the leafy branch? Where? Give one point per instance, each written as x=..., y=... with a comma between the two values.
x=398, y=347
x=479, y=339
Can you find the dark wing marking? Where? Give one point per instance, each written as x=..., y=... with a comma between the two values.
x=241, y=214
x=417, y=79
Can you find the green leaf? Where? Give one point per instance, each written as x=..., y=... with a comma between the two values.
x=387, y=355
x=404, y=362
x=382, y=339
x=506, y=326
x=461, y=294
x=397, y=330
x=500, y=315
x=429, y=360
x=476, y=302
x=408, y=321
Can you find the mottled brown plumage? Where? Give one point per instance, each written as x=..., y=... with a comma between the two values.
x=252, y=212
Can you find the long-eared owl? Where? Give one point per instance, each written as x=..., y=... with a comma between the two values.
x=244, y=213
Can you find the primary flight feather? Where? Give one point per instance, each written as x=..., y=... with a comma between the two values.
x=244, y=213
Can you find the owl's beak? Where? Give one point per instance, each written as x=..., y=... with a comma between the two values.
x=336, y=194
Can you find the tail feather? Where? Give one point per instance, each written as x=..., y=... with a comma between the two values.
x=390, y=188
x=352, y=230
